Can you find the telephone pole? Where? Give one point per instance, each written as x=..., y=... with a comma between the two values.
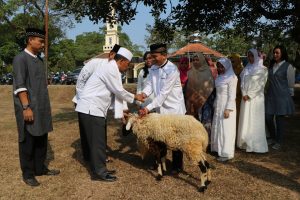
x=46, y=37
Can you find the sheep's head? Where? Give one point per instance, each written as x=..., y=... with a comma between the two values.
x=131, y=119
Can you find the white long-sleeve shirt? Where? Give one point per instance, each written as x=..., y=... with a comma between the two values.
x=86, y=73
x=290, y=75
x=141, y=84
x=100, y=89
x=164, y=82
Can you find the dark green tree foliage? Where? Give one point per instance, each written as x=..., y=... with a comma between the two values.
x=210, y=16
x=67, y=55
x=8, y=51
x=88, y=45
x=17, y=15
x=173, y=37
x=62, y=56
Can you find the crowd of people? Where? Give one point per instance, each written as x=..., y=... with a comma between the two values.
x=230, y=100
x=239, y=106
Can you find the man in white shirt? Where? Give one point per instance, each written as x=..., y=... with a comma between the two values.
x=164, y=82
x=89, y=68
x=86, y=72
x=103, y=87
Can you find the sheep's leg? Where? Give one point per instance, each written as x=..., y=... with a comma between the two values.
x=207, y=165
x=163, y=161
x=159, y=162
x=159, y=170
x=203, y=176
x=163, y=156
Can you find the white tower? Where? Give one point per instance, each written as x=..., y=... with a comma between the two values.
x=111, y=36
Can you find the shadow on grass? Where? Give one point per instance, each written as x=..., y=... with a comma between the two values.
x=50, y=154
x=267, y=175
x=66, y=114
x=77, y=155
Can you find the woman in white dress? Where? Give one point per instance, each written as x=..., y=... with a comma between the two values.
x=251, y=131
x=142, y=78
x=224, y=120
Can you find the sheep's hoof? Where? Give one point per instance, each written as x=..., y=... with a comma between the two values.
x=158, y=177
x=202, y=189
x=207, y=183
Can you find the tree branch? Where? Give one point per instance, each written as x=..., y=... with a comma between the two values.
x=38, y=8
x=276, y=15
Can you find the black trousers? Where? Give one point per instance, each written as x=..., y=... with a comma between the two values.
x=33, y=153
x=95, y=131
x=83, y=140
x=275, y=124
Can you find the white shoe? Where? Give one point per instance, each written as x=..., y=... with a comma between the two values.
x=276, y=146
x=222, y=159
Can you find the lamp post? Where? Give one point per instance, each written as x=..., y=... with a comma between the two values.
x=46, y=37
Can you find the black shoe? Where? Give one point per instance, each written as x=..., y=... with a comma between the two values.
x=50, y=172
x=106, y=177
x=153, y=167
x=176, y=171
x=31, y=181
x=111, y=172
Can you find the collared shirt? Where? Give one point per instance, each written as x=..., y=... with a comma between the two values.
x=100, y=89
x=29, y=73
x=290, y=75
x=164, y=82
x=86, y=73
x=24, y=89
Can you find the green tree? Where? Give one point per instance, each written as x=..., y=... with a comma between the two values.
x=87, y=45
x=67, y=55
x=8, y=51
x=173, y=37
x=62, y=56
x=228, y=42
x=209, y=16
x=17, y=15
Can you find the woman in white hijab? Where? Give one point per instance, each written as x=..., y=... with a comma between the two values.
x=251, y=131
x=224, y=120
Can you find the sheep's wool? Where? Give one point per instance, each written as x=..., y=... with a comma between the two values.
x=178, y=132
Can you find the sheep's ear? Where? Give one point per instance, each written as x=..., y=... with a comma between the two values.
x=128, y=125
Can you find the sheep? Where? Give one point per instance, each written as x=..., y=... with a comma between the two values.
x=177, y=132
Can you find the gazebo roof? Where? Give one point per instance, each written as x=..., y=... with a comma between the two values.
x=196, y=47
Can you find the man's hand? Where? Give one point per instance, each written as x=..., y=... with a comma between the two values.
x=246, y=98
x=28, y=115
x=226, y=113
x=143, y=112
x=140, y=97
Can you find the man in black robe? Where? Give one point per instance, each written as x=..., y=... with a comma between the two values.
x=32, y=108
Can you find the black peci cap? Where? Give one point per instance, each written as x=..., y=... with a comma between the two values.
x=116, y=48
x=158, y=48
x=35, y=32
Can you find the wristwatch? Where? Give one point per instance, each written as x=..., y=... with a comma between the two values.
x=26, y=106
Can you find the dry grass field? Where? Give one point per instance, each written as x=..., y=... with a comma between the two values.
x=275, y=175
